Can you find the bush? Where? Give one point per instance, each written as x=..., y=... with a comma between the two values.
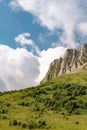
x=57, y=95
x=67, y=118
x=32, y=125
x=24, y=125
x=41, y=124
x=26, y=104
x=62, y=113
x=8, y=104
x=4, y=111
x=4, y=117
x=76, y=122
x=71, y=106
x=13, y=122
x=19, y=123
x=36, y=108
x=54, y=87
x=76, y=111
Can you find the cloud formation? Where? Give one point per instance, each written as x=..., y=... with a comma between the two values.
x=24, y=39
x=47, y=56
x=83, y=28
x=55, y=14
x=18, y=68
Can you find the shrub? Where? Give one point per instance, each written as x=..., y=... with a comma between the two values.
x=67, y=118
x=57, y=95
x=19, y=123
x=8, y=104
x=71, y=105
x=4, y=117
x=13, y=122
x=54, y=87
x=37, y=108
x=76, y=111
x=62, y=113
x=4, y=111
x=24, y=104
x=41, y=124
x=32, y=125
x=24, y=125
x=76, y=122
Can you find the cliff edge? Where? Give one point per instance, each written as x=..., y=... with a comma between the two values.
x=72, y=61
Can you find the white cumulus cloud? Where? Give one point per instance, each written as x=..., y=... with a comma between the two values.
x=55, y=14
x=18, y=68
x=47, y=56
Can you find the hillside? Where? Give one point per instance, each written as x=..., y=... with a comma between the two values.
x=59, y=104
x=72, y=62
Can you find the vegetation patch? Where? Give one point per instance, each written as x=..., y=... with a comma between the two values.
x=55, y=105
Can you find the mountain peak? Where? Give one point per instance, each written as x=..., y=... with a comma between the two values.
x=72, y=62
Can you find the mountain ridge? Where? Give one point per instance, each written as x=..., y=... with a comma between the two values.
x=73, y=61
x=58, y=102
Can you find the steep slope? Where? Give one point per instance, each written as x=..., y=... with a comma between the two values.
x=59, y=104
x=72, y=61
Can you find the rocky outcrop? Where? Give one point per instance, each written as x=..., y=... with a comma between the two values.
x=72, y=61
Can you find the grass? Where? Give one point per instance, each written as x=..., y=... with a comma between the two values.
x=59, y=104
x=85, y=67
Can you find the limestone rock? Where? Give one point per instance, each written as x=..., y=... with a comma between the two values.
x=72, y=61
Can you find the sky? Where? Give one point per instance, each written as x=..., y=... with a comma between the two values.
x=35, y=32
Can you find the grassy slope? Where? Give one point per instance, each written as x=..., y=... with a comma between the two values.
x=48, y=102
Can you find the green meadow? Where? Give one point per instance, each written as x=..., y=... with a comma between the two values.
x=59, y=104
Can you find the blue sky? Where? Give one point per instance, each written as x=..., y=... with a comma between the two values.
x=35, y=32
x=13, y=23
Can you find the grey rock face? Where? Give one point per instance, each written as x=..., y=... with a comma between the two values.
x=72, y=61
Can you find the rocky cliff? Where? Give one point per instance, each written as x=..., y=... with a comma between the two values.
x=72, y=61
